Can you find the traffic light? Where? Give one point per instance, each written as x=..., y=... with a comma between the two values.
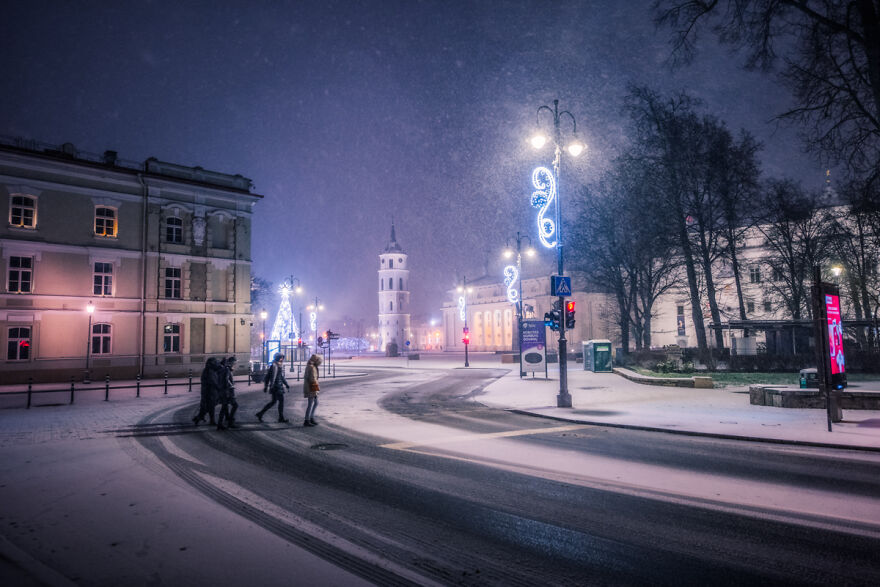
x=552, y=319
x=466, y=339
x=569, y=314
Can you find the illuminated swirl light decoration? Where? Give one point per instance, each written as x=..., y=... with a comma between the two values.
x=510, y=276
x=542, y=179
x=461, y=308
x=313, y=320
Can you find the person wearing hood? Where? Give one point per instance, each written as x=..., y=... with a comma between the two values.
x=226, y=419
x=210, y=389
x=310, y=389
x=276, y=384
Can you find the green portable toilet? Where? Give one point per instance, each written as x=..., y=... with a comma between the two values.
x=597, y=356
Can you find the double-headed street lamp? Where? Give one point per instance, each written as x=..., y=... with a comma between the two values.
x=547, y=229
x=464, y=290
x=513, y=295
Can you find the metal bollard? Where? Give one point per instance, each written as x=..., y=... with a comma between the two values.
x=138, y=383
x=166, y=381
x=334, y=371
x=298, y=369
x=71, y=389
x=190, y=379
x=107, y=387
x=250, y=372
x=30, y=385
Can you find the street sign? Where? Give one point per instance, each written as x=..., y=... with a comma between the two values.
x=332, y=335
x=560, y=285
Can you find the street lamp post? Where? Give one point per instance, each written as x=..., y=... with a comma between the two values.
x=574, y=148
x=519, y=302
x=314, y=319
x=263, y=315
x=90, y=310
x=464, y=290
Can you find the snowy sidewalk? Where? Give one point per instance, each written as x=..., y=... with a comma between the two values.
x=609, y=399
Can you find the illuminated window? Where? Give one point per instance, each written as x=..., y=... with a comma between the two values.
x=172, y=282
x=171, y=338
x=174, y=230
x=100, y=339
x=105, y=221
x=103, y=279
x=23, y=211
x=19, y=275
x=18, y=346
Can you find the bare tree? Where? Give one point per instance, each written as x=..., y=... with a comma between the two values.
x=831, y=62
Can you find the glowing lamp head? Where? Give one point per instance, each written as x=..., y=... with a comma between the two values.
x=90, y=308
x=538, y=140
x=459, y=289
x=575, y=148
x=299, y=289
x=530, y=252
x=508, y=253
x=264, y=314
x=836, y=270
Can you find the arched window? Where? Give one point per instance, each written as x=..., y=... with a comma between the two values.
x=390, y=283
x=390, y=306
x=400, y=283
x=391, y=263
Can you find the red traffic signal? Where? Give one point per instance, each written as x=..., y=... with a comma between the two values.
x=569, y=306
x=467, y=338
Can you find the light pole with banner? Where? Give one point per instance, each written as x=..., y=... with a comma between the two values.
x=464, y=290
x=513, y=282
x=549, y=230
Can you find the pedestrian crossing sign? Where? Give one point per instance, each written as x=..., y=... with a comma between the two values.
x=560, y=285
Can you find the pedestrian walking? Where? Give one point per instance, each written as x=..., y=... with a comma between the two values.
x=210, y=383
x=226, y=419
x=311, y=389
x=276, y=384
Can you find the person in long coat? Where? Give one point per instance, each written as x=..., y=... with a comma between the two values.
x=310, y=389
x=210, y=389
x=226, y=419
x=276, y=384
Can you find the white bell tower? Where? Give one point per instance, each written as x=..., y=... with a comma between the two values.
x=394, y=318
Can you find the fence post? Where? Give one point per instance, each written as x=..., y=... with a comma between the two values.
x=71, y=389
x=107, y=387
x=190, y=379
x=30, y=384
x=166, y=382
x=138, y=380
x=250, y=372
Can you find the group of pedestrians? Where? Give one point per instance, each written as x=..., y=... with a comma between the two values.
x=218, y=387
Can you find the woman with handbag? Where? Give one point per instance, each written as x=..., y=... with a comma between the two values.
x=311, y=388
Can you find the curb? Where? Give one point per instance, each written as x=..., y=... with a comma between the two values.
x=702, y=434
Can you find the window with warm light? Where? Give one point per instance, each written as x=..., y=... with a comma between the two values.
x=100, y=339
x=105, y=221
x=23, y=211
x=18, y=346
x=19, y=275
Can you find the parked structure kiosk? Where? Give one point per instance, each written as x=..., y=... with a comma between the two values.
x=597, y=356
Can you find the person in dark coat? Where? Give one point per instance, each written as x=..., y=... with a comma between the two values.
x=276, y=384
x=210, y=388
x=227, y=395
x=311, y=388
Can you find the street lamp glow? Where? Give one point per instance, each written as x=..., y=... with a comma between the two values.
x=508, y=253
x=837, y=270
x=530, y=252
x=90, y=308
x=538, y=140
x=575, y=148
x=264, y=314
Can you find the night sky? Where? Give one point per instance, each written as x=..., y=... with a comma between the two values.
x=346, y=113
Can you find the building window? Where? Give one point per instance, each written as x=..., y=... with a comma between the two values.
x=18, y=347
x=100, y=339
x=23, y=211
x=391, y=263
x=390, y=306
x=20, y=275
x=171, y=338
x=174, y=230
x=381, y=285
x=768, y=307
x=754, y=275
x=172, y=282
x=777, y=274
x=400, y=283
x=105, y=221
x=390, y=283
x=750, y=307
x=103, y=279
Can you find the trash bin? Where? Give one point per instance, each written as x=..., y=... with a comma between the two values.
x=809, y=378
x=597, y=356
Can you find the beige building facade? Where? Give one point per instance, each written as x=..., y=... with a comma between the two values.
x=119, y=267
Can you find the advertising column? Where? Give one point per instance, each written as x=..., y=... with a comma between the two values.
x=533, y=343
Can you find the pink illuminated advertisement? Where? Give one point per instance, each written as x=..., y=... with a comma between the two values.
x=835, y=334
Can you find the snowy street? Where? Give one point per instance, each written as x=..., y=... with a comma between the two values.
x=410, y=478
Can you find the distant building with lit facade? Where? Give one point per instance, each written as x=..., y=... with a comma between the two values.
x=160, y=253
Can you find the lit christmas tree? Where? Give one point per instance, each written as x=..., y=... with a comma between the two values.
x=285, y=327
